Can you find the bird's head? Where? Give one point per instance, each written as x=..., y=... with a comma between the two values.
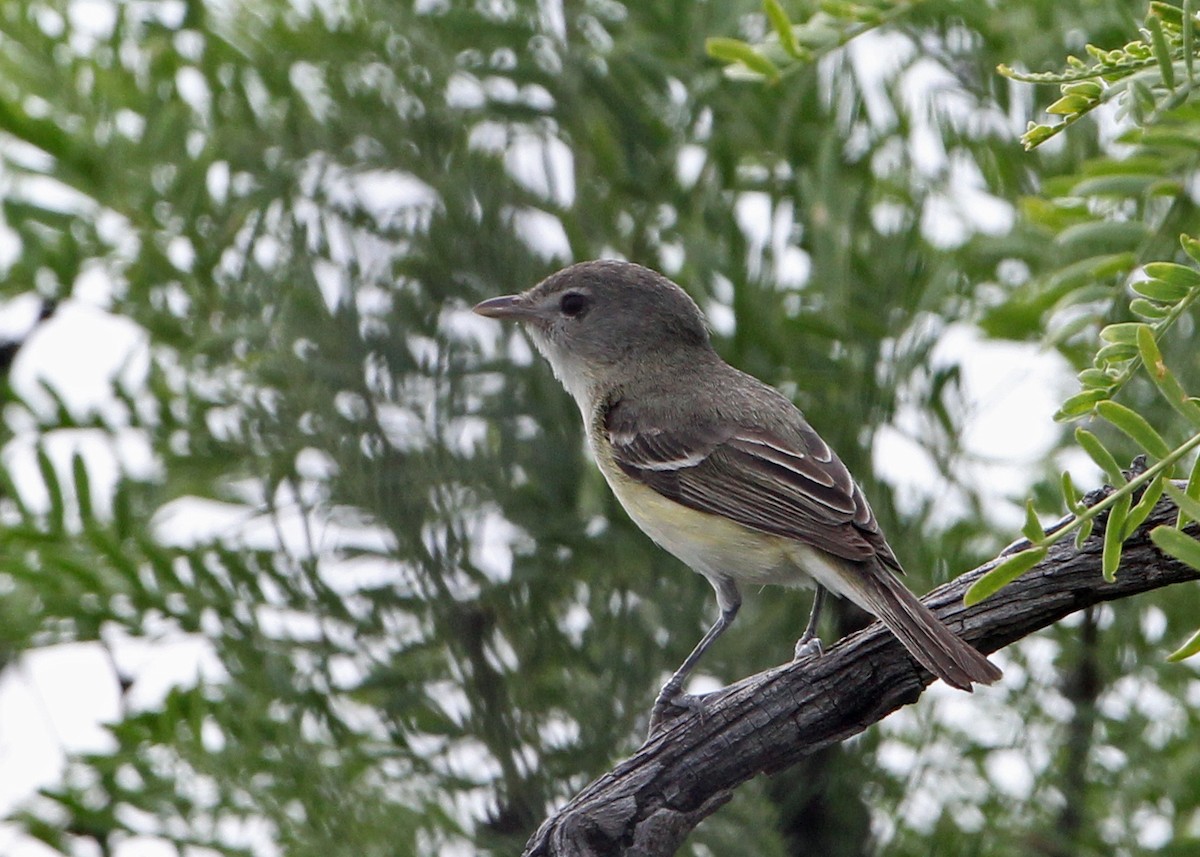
x=594, y=316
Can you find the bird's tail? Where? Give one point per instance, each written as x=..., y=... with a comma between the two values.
x=948, y=657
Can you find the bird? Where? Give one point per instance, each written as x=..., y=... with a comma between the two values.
x=715, y=466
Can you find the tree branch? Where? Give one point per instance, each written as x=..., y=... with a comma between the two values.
x=649, y=803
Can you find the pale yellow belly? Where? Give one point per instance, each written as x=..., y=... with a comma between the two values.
x=710, y=544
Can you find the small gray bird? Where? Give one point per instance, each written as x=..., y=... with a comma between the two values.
x=716, y=467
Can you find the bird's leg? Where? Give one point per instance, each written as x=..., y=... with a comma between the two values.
x=672, y=695
x=809, y=643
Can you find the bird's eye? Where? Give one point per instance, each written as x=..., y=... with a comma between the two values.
x=573, y=304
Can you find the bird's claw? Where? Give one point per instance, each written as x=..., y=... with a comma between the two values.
x=670, y=704
x=808, y=647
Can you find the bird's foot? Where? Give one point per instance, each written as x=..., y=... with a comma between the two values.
x=671, y=703
x=808, y=646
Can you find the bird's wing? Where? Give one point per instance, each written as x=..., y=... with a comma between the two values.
x=794, y=487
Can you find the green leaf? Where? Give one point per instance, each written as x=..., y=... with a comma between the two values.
x=1124, y=185
x=8, y=490
x=57, y=512
x=1096, y=450
x=1080, y=404
x=1145, y=505
x=1125, y=333
x=1160, y=290
x=1168, y=14
x=1191, y=246
x=1135, y=426
x=1033, y=529
x=1148, y=309
x=1084, y=533
x=1178, y=544
x=1142, y=101
x=1114, y=529
x=737, y=51
x=1145, y=164
x=783, y=27
x=1193, y=487
x=1069, y=105
x=1148, y=348
x=1071, y=494
x=1157, y=135
x=1115, y=353
x=1003, y=574
x=818, y=33
x=1086, y=88
x=1162, y=53
x=1096, y=236
x=83, y=490
x=1177, y=275
x=1096, y=379
x=1036, y=134
x=1163, y=379
x=1189, y=506
x=1191, y=647
x=122, y=510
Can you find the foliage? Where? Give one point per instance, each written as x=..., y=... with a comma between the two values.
x=424, y=619
x=789, y=46
x=1141, y=76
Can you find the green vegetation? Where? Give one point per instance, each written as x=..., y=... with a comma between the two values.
x=430, y=620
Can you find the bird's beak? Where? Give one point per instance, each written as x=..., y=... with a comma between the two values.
x=507, y=307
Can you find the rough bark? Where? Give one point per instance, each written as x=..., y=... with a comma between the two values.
x=650, y=802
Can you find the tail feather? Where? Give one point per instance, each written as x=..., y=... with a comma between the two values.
x=948, y=657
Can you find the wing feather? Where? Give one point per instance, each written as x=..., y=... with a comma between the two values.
x=792, y=486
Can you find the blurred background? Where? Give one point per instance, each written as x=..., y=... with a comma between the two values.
x=299, y=557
